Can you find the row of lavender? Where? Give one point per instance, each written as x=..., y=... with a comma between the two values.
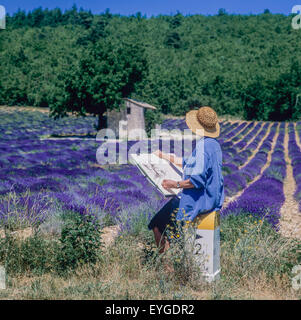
x=231, y=133
x=248, y=147
x=36, y=164
x=238, y=180
x=21, y=125
x=170, y=124
x=61, y=169
x=103, y=192
x=234, y=130
x=295, y=155
x=180, y=124
x=298, y=171
x=234, y=156
x=265, y=197
x=231, y=152
x=228, y=145
x=179, y=147
x=64, y=167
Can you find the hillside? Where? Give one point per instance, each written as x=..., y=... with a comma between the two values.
x=245, y=66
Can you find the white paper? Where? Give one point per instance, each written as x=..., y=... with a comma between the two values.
x=156, y=170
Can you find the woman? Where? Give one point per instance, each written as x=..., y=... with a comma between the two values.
x=202, y=184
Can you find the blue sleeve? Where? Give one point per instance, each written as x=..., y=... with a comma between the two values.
x=199, y=173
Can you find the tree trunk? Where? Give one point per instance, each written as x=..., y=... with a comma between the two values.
x=102, y=122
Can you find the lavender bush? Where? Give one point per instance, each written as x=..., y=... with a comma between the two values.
x=62, y=170
x=265, y=197
x=295, y=155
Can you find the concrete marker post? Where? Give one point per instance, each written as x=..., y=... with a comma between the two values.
x=206, y=245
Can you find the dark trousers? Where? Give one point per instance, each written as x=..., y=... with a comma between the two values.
x=164, y=216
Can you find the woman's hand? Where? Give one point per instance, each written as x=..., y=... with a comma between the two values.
x=169, y=157
x=168, y=184
x=160, y=154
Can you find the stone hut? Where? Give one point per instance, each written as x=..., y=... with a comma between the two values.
x=128, y=122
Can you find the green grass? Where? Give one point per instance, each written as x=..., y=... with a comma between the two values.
x=256, y=263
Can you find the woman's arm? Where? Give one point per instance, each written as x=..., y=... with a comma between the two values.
x=171, y=184
x=170, y=157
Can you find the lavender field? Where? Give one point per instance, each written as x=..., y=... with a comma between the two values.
x=51, y=173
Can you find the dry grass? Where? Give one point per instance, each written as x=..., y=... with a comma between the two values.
x=256, y=263
x=252, y=268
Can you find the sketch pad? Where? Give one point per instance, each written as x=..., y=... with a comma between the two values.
x=156, y=170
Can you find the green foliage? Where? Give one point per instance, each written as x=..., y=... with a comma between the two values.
x=80, y=243
x=222, y=12
x=173, y=40
x=151, y=119
x=105, y=73
x=75, y=61
x=253, y=246
x=34, y=255
x=254, y=259
x=226, y=170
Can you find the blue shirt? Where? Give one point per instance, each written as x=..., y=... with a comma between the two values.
x=204, y=169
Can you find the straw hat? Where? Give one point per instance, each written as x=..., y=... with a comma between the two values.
x=205, y=121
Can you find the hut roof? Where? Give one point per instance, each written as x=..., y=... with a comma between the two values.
x=141, y=104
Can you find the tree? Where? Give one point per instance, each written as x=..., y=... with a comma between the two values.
x=71, y=16
x=173, y=40
x=19, y=18
x=96, y=30
x=37, y=17
x=176, y=20
x=107, y=72
x=222, y=12
x=238, y=64
x=85, y=18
